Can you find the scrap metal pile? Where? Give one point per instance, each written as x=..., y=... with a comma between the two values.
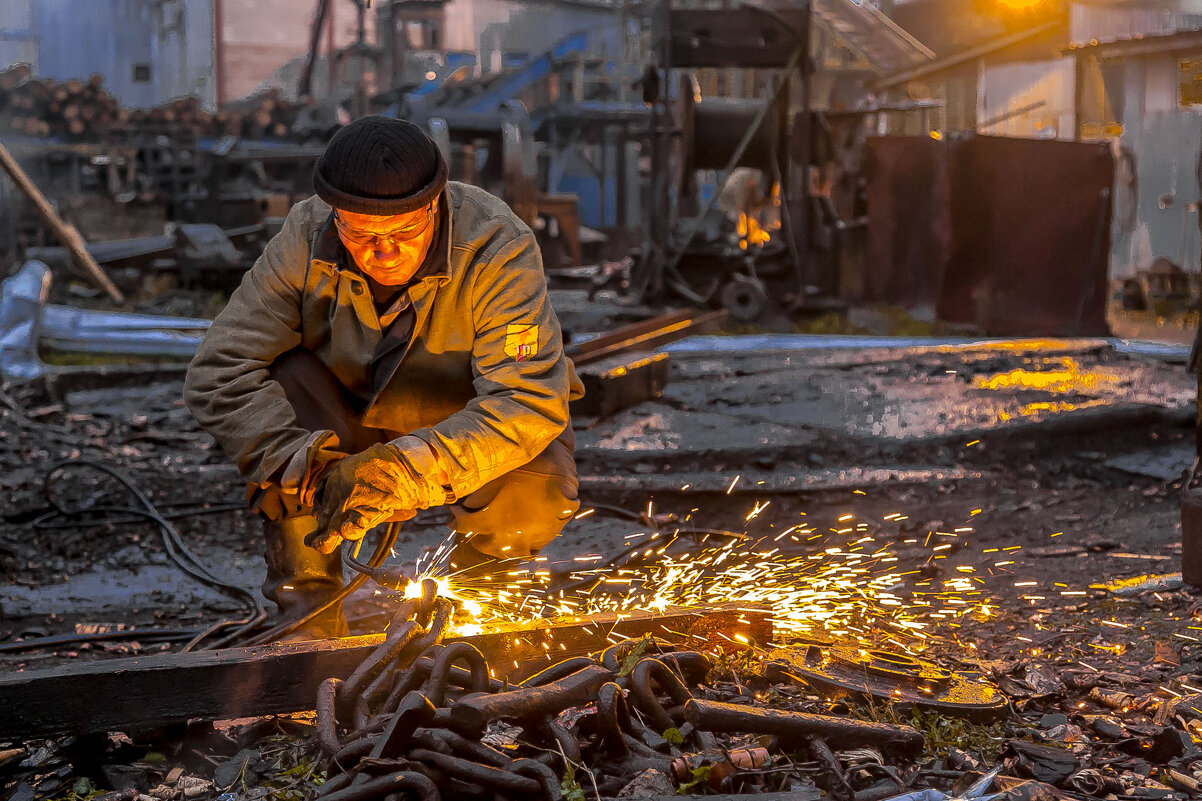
x=422, y=714
x=428, y=718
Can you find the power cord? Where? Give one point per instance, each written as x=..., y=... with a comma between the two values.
x=173, y=544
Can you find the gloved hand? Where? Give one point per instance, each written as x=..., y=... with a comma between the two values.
x=364, y=490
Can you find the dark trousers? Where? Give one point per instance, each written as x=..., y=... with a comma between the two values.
x=514, y=515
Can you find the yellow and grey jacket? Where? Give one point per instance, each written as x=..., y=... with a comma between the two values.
x=483, y=386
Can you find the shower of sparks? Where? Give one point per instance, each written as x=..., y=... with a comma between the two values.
x=842, y=582
x=863, y=582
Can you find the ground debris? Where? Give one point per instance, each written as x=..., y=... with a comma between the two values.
x=1034, y=682
x=1043, y=763
x=647, y=784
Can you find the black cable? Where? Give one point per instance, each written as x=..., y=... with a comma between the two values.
x=173, y=544
x=135, y=515
x=55, y=640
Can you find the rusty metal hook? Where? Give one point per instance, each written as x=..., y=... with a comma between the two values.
x=613, y=718
x=440, y=621
x=558, y=671
x=691, y=666
x=326, y=721
x=440, y=673
x=541, y=774
x=384, y=653
x=644, y=698
x=471, y=715
x=413, y=678
x=564, y=738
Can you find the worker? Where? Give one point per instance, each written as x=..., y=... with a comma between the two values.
x=392, y=350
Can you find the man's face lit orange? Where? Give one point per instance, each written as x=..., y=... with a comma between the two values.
x=389, y=249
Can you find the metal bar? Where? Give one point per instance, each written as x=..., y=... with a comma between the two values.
x=67, y=328
x=796, y=727
x=1009, y=115
x=626, y=332
x=64, y=319
x=972, y=53
x=165, y=689
x=645, y=335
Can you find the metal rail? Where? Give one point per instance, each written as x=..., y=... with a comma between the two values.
x=645, y=335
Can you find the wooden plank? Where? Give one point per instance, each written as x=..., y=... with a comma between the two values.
x=620, y=382
x=165, y=689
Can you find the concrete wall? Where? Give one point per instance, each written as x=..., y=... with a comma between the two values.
x=1006, y=88
x=264, y=43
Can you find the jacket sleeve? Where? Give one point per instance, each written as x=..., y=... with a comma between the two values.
x=521, y=401
x=227, y=387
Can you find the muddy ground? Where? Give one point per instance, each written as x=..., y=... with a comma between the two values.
x=1072, y=451
x=1040, y=478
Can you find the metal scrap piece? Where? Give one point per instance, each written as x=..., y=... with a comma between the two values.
x=836, y=671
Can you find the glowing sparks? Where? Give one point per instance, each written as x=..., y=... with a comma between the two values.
x=849, y=587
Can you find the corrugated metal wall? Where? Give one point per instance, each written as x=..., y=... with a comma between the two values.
x=148, y=51
x=183, y=52
x=77, y=38
x=1106, y=24
x=1030, y=100
x=1160, y=154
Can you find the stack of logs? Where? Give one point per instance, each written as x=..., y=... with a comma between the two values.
x=414, y=715
x=82, y=111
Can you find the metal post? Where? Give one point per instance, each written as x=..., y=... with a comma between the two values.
x=801, y=230
x=659, y=206
x=218, y=54
x=621, y=200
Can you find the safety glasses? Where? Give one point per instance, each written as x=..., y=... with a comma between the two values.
x=368, y=239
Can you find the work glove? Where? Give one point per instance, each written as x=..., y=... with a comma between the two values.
x=364, y=490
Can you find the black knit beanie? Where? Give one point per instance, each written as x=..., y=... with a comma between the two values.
x=381, y=166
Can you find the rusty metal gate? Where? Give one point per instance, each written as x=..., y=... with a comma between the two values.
x=1012, y=235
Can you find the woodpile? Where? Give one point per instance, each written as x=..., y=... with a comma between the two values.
x=83, y=111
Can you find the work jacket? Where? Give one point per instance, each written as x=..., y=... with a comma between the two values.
x=483, y=386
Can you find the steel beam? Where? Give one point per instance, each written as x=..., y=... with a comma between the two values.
x=166, y=689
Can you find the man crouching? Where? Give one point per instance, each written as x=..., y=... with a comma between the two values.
x=392, y=350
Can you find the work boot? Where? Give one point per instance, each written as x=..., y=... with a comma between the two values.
x=301, y=579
